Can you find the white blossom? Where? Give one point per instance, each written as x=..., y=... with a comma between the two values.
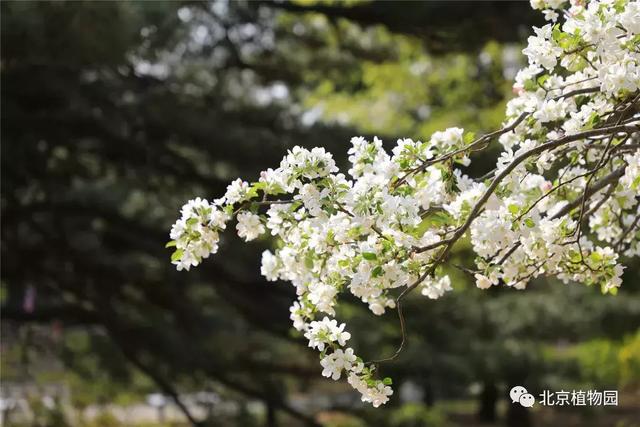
x=249, y=226
x=236, y=191
x=435, y=289
x=376, y=395
x=388, y=225
x=270, y=266
x=337, y=362
x=541, y=50
x=326, y=331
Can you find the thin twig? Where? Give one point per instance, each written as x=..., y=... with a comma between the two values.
x=447, y=156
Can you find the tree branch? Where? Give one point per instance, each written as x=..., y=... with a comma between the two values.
x=599, y=185
x=483, y=199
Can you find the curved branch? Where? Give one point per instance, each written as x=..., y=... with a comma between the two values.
x=599, y=185
x=478, y=141
x=485, y=197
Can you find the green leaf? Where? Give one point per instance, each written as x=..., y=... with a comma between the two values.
x=514, y=209
x=176, y=255
x=387, y=381
x=308, y=261
x=377, y=272
x=259, y=185
x=556, y=32
x=574, y=256
x=529, y=223
x=593, y=120
x=436, y=219
x=252, y=192
x=543, y=79
x=469, y=137
x=369, y=256
x=192, y=221
x=530, y=85
x=170, y=244
x=330, y=237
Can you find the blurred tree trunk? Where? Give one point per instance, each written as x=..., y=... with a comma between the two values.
x=427, y=385
x=487, y=402
x=271, y=415
x=518, y=416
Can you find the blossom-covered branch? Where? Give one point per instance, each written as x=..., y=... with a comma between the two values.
x=563, y=199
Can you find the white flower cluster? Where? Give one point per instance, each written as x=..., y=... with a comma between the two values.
x=563, y=199
x=580, y=73
x=195, y=235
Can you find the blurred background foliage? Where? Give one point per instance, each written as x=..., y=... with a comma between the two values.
x=115, y=113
